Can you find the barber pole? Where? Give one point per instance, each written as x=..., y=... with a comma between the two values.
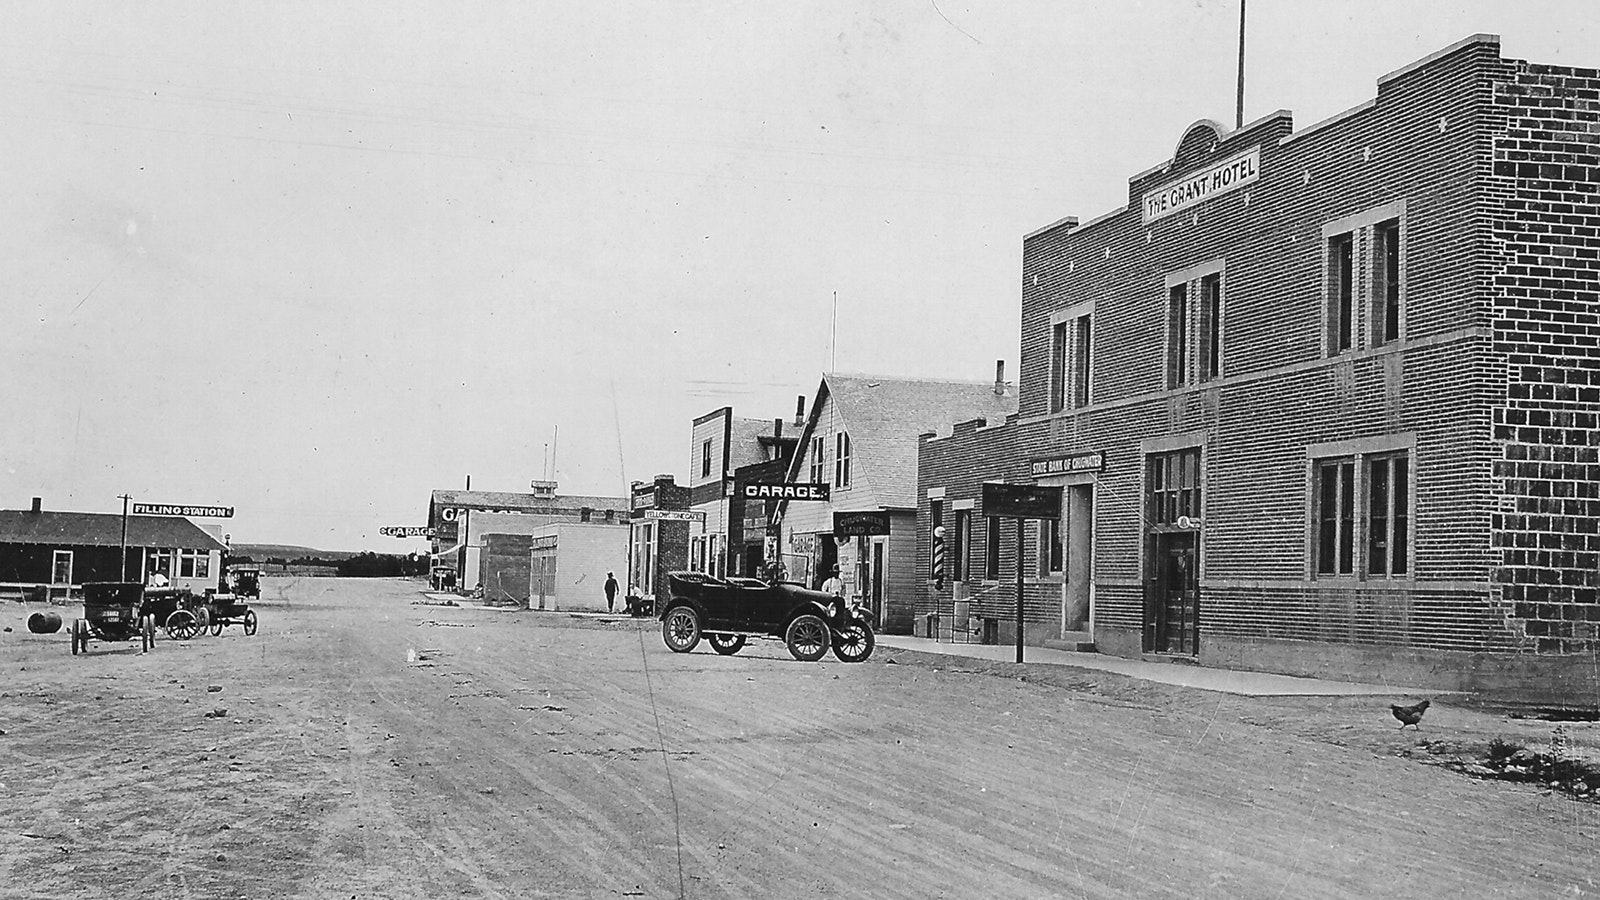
x=938, y=556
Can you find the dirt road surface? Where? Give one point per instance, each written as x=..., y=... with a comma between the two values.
x=365, y=746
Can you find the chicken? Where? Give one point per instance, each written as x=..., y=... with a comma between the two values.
x=1409, y=715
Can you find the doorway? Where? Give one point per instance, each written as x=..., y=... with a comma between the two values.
x=1078, y=592
x=876, y=578
x=1174, y=593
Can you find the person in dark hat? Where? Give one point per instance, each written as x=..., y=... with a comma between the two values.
x=833, y=585
x=611, y=592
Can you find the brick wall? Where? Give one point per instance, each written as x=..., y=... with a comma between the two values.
x=1546, y=313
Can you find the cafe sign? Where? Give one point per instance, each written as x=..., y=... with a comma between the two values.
x=1213, y=181
x=1092, y=461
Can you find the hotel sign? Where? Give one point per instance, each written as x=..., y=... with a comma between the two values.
x=1230, y=174
x=1093, y=461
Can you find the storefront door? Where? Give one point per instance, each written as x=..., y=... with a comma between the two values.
x=876, y=579
x=1173, y=604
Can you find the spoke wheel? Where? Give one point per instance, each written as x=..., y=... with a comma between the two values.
x=807, y=637
x=853, y=643
x=249, y=622
x=182, y=625
x=216, y=627
x=681, y=629
x=726, y=644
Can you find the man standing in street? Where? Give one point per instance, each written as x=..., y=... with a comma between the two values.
x=611, y=592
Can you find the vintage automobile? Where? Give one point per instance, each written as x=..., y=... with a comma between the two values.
x=120, y=610
x=727, y=611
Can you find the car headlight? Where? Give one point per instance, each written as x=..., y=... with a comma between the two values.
x=833, y=610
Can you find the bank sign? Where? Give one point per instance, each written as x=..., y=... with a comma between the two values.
x=1230, y=174
x=171, y=509
x=1093, y=461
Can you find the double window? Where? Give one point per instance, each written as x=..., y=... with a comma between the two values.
x=1194, y=325
x=1071, y=352
x=1362, y=515
x=1364, y=262
x=194, y=564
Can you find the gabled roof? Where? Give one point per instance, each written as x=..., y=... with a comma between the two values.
x=76, y=529
x=885, y=416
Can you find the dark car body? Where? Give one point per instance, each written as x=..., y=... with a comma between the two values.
x=727, y=610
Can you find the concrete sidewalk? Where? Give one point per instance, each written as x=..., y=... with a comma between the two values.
x=1251, y=684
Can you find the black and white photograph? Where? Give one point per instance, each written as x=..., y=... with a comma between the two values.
x=895, y=449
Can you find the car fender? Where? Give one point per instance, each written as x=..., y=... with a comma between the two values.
x=675, y=602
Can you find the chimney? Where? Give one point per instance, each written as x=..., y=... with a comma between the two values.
x=1000, y=378
x=37, y=501
x=777, y=428
x=800, y=410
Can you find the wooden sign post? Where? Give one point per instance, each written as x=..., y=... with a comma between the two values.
x=1021, y=502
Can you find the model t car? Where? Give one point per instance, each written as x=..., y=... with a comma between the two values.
x=120, y=610
x=232, y=607
x=727, y=611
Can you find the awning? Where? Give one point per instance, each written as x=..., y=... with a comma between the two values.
x=449, y=552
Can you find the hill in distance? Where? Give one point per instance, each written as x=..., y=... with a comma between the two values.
x=261, y=552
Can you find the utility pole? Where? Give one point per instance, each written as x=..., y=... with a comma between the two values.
x=1239, y=110
x=123, y=575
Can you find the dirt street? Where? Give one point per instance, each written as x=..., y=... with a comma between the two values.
x=362, y=745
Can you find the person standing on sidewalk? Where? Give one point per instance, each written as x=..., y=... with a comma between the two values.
x=834, y=585
x=611, y=592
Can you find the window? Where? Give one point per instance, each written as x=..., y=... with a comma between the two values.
x=194, y=564
x=160, y=561
x=1388, y=520
x=959, y=544
x=1174, y=486
x=817, y=446
x=1177, y=335
x=1049, y=547
x=1341, y=296
x=991, y=548
x=1386, y=282
x=936, y=532
x=1080, y=362
x=1334, y=491
x=841, y=460
x=1058, y=366
x=1210, y=327
x=705, y=458
x=1069, y=362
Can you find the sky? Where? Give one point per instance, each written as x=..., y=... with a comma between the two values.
x=313, y=261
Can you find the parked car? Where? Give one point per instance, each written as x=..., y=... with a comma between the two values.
x=728, y=611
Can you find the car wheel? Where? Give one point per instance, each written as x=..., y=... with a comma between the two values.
x=250, y=623
x=216, y=627
x=853, y=643
x=182, y=625
x=807, y=637
x=726, y=644
x=681, y=629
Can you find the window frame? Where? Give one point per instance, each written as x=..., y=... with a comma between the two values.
x=1071, y=357
x=991, y=548
x=841, y=459
x=1365, y=467
x=1388, y=283
x=1177, y=335
x=959, y=545
x=1364, y=281
x=705, y=458
x=1209, y=346
x=817, y=464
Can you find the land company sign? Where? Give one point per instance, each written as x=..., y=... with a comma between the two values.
x=1214, y=181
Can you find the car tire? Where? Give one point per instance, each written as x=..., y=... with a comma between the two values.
x=681, y=629
x=854, y=643
x=807, y=637
x=726, y=644
x=250, y=622
x=77, y=637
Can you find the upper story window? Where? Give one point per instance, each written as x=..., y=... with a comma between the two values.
x=1071, y=354
x=1177, y=335
x=1364, y=266
x=818, y=445
x=1194, y=324
x=1386, y=282
x=841, y=460
x=705, y=458
x=1174, y=486
x=1211, y=326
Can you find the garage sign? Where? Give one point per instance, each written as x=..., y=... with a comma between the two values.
x=406, y=531
x=787, y=490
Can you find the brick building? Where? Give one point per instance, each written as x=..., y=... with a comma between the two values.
x=1321, y=401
